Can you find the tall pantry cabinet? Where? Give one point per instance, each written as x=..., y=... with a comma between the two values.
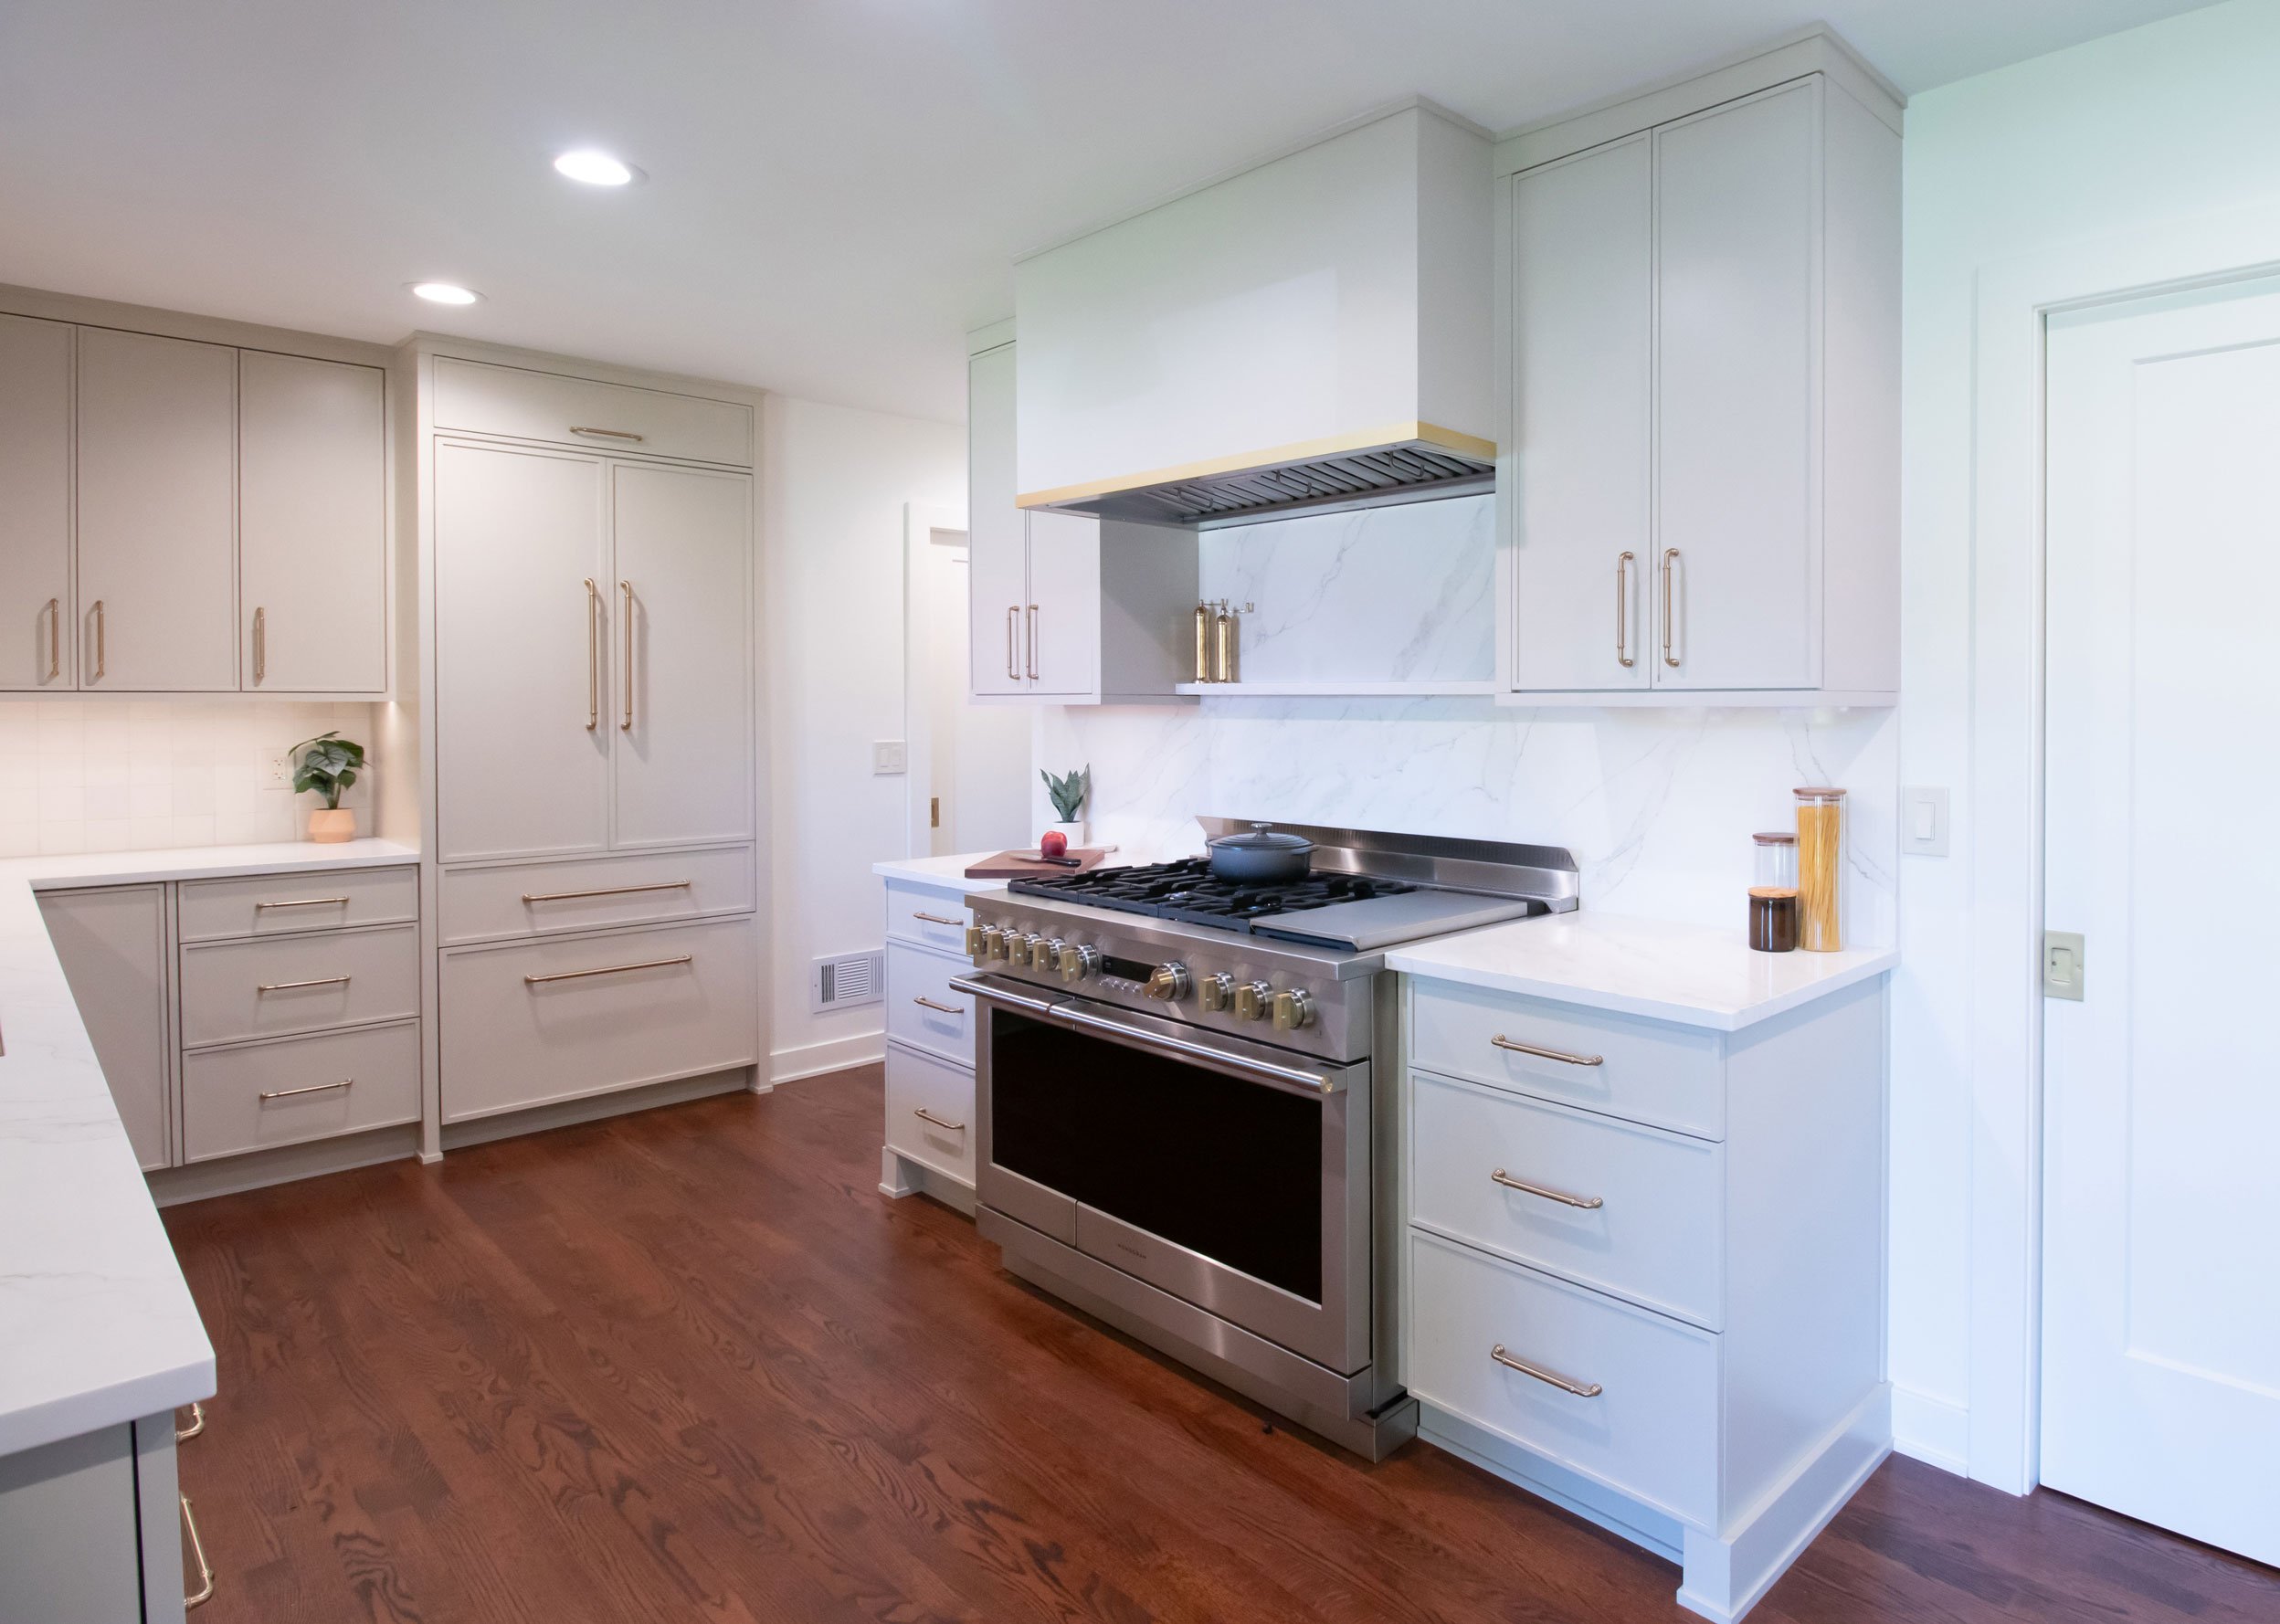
x=589, y=583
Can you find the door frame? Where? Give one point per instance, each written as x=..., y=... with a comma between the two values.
x=2004, y=834
x=920, y=520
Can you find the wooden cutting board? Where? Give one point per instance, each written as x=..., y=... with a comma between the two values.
x=1027, y=865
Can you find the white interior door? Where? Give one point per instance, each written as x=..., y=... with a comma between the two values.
x=970, y=763
x=681, y=592
x=523, y=700
x=2160, y=1296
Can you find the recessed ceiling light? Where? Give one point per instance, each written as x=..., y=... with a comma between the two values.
x=596, y=168
x=444, y=292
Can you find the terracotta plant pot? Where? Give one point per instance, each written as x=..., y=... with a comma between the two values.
x=328, y=825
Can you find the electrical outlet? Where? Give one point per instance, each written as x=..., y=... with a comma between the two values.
x=282, y=772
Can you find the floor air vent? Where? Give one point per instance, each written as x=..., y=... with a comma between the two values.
x=851, y=978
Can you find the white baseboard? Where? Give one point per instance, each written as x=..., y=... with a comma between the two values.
x=835, y=1054
x=1931, y=1430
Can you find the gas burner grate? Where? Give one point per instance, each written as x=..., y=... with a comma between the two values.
x=1188, y=892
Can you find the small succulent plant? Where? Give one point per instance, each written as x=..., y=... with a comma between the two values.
x=1068, y=790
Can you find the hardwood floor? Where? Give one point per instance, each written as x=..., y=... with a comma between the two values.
x=690, y=1365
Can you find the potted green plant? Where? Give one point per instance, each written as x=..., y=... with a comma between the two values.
x=328, y=765
x=1067, y=793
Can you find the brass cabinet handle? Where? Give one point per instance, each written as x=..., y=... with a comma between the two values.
x=314, y=1088
x=197, y=1426
x=98, y=639
x=1013, y=621
x=625, y=590
x=936, y=919
x=1501, y=1041
x=55, y=639
x=1580, y=1389
x=1032, y=642
x=943, y=1008
x=1525, y=1188
x=1622, y=611
x=286, y=986
x=607, y=891
x=920, y=1111
x=608, y=970
x=204, y=1592
x=1670, y=556
x=305, y=903
x=608, y=434
x=260, y=644
x=593, y=660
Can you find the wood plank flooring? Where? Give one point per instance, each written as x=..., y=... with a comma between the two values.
x=690, y=1365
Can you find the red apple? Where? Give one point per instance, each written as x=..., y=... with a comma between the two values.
x=1054, y=844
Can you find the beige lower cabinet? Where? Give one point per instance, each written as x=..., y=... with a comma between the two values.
x=289, y=1090
x=113, y=945
x=565, y=1018
x=93, y=1528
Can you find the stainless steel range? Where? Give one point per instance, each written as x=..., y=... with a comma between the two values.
x=1183, y=1102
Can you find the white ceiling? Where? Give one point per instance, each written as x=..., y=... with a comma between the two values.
x=838, y=186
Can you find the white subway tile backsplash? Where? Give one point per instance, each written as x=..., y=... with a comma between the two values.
x=103, y=776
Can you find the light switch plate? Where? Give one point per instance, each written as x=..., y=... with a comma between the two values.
x=887, y=756
x=1924, y=822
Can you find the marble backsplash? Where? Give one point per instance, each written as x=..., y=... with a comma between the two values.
x=1658, y=807
x=114, y=775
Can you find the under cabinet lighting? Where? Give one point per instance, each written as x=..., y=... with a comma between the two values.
x=596, y=168
x=444, y=292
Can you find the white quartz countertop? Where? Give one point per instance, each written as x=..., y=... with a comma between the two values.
x=1688, y=974
x=97, y=1326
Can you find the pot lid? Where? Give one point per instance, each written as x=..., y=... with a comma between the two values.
x=1263, y=837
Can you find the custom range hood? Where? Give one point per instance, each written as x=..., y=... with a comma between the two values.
x=1308, y=333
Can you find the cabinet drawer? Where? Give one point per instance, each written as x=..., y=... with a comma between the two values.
x=931, y=918
x=481, y=398
x=1648, y=1072
x=1655, y=1234
x=265, y=1094
x=545, y=899
x=922, y=1009
x=286, y=904
x=919, y=1082
x=232, y=990
x=565, y=1018
x=1651, y=1431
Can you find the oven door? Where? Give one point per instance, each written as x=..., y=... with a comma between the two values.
x=1231, y=1175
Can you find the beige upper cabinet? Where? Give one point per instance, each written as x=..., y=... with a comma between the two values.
x=1701, y=301
x=36, y=618
x=681, y=582
x=313, y=526
x=996, y=531
x=157, y=483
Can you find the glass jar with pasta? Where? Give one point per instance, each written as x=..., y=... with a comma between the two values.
x=1819, y=865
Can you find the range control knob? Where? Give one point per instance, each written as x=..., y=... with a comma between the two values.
x=1169, y=983
x=1031, y=952
x=1217, y=992
x=976, y=947
x=1000, y=943
x=1292, y=1010
x=1077, y=962
x=1045, y=952
x=1252, y=999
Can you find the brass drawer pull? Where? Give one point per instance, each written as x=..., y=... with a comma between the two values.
x=197, y=1426
x=287, y=987
x=608, y=970
x=609, y=434
x=945, y=1008
x=922, y=1112
x=314, y=1088
x=938, y=919
x=1670, y=556
x=607, y=891
x=593, y=659
x=261, y=644
x=305, y=903
x=98, y=639
x=55, y=639
x=1013, y=619
x=1622, y=611
x=1501, y=1041
x=1580, y=1389
x=204, y=1592
x=1525, y=1188
x=625, y=677
x=1032, y=642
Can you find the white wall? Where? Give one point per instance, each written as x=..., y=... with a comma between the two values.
x=109, y=775
x=833, y=482
x=2163, y=123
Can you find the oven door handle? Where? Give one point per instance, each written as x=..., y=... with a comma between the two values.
x=997, y=994
x=1289, y=1078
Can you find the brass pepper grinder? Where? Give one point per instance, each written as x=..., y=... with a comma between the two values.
x=1225, y=656
x=1204, y=634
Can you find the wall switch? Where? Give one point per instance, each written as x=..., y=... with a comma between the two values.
x=1924, y=822
x=886, y=756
